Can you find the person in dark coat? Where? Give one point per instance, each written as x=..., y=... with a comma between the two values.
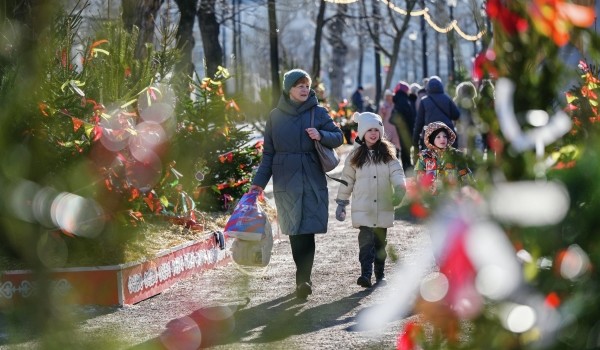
x=413, y=97
x=357, y=98
x=299, y=183
x=437, y=106
x=404, y=119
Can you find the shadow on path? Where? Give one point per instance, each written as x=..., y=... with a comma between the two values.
x=268, y=322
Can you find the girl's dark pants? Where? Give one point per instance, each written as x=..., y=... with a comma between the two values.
x=372, y=242
x=303, y=252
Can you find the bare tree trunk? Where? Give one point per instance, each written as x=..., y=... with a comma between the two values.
x=237, y=45
x=361, y=59
x=209, y=31
x=394, y=30
x=316, y=67
x=393, y=60
x=142, y=14
x=185, y=35
x=376, y=15
x=338, y=43
x=274, y=50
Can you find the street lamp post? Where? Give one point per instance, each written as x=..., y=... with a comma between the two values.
x=451, y=6
x=424, y=42
x=413, y=38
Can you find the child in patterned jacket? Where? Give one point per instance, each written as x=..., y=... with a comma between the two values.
x=441, y=166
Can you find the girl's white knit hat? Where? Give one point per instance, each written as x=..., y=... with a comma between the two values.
x=366, y=121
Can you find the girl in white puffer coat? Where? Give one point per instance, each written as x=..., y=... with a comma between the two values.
x=376, y=183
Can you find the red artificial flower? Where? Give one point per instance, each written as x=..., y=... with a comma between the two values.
x=495, y=143
x=97, y=133
x=135, y=193
x=406, y=339
x=552, y=300
x=418, y=210
x=227, y=157
x=564, y=165
x=510, y=21
x=457, y=266
x=554, y=18
x=259, y=146
x=484, y=66
x=427, y=179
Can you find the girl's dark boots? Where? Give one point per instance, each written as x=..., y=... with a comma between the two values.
x=379, y=274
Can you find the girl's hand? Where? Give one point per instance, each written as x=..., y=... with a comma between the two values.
x=340, y=212
x=313, y=134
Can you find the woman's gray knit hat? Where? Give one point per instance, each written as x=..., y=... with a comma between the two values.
x=291, y=77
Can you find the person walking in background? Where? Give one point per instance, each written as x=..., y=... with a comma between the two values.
x=358, y=99
x=437, y=106
x=404, y=120
x=413, y=96
x=468, y=126
x=441, y=166
x=422, y=92
x=299, y=183
x=386, y=110
x=486, y=104
x=377, y=183
x=368, y=105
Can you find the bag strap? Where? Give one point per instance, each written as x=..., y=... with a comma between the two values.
x=344, y=182
x=312, y=123
x=438, y=107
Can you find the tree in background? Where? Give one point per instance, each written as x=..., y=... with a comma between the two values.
x=141, y=14
x=274, y=52
x=391, y=30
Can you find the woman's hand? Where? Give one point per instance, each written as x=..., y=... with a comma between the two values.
x=256, y=188
x=313, y=134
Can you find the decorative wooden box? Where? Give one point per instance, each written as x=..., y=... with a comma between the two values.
x=122, y=284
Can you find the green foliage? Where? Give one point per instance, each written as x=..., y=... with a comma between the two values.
x=211, y=145
x=110, y=128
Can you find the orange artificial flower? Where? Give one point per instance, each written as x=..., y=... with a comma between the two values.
x=94, y=50
x=555, y=18
x=43, y=108
x=231, y=104
x=77, y=123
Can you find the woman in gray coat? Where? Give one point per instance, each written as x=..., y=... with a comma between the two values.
x=299, y=183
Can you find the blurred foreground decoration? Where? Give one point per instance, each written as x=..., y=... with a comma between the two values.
x=97, y=143
x=104, y=141
x=514, y=263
